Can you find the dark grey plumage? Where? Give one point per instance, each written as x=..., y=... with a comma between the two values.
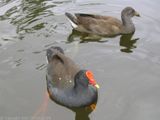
x=67, y=84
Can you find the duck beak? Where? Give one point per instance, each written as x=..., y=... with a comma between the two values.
x=136, y=14
x=97, y=86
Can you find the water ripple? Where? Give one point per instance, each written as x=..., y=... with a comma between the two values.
x=26, y=16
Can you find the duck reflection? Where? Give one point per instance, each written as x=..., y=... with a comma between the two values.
x=84, y=37
x=127, y=43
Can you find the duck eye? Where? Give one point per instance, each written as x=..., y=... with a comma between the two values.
x=131, y=12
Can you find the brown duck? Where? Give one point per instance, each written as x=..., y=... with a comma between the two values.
x=104, y=25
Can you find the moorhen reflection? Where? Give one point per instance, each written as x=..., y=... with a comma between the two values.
x=82, y=113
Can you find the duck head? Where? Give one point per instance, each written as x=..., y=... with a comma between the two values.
x=130, y=12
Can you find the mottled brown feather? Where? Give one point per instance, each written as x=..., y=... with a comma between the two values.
x=98, y=24
x=104, y=25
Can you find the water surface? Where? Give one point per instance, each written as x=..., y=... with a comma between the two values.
x=126, y=67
